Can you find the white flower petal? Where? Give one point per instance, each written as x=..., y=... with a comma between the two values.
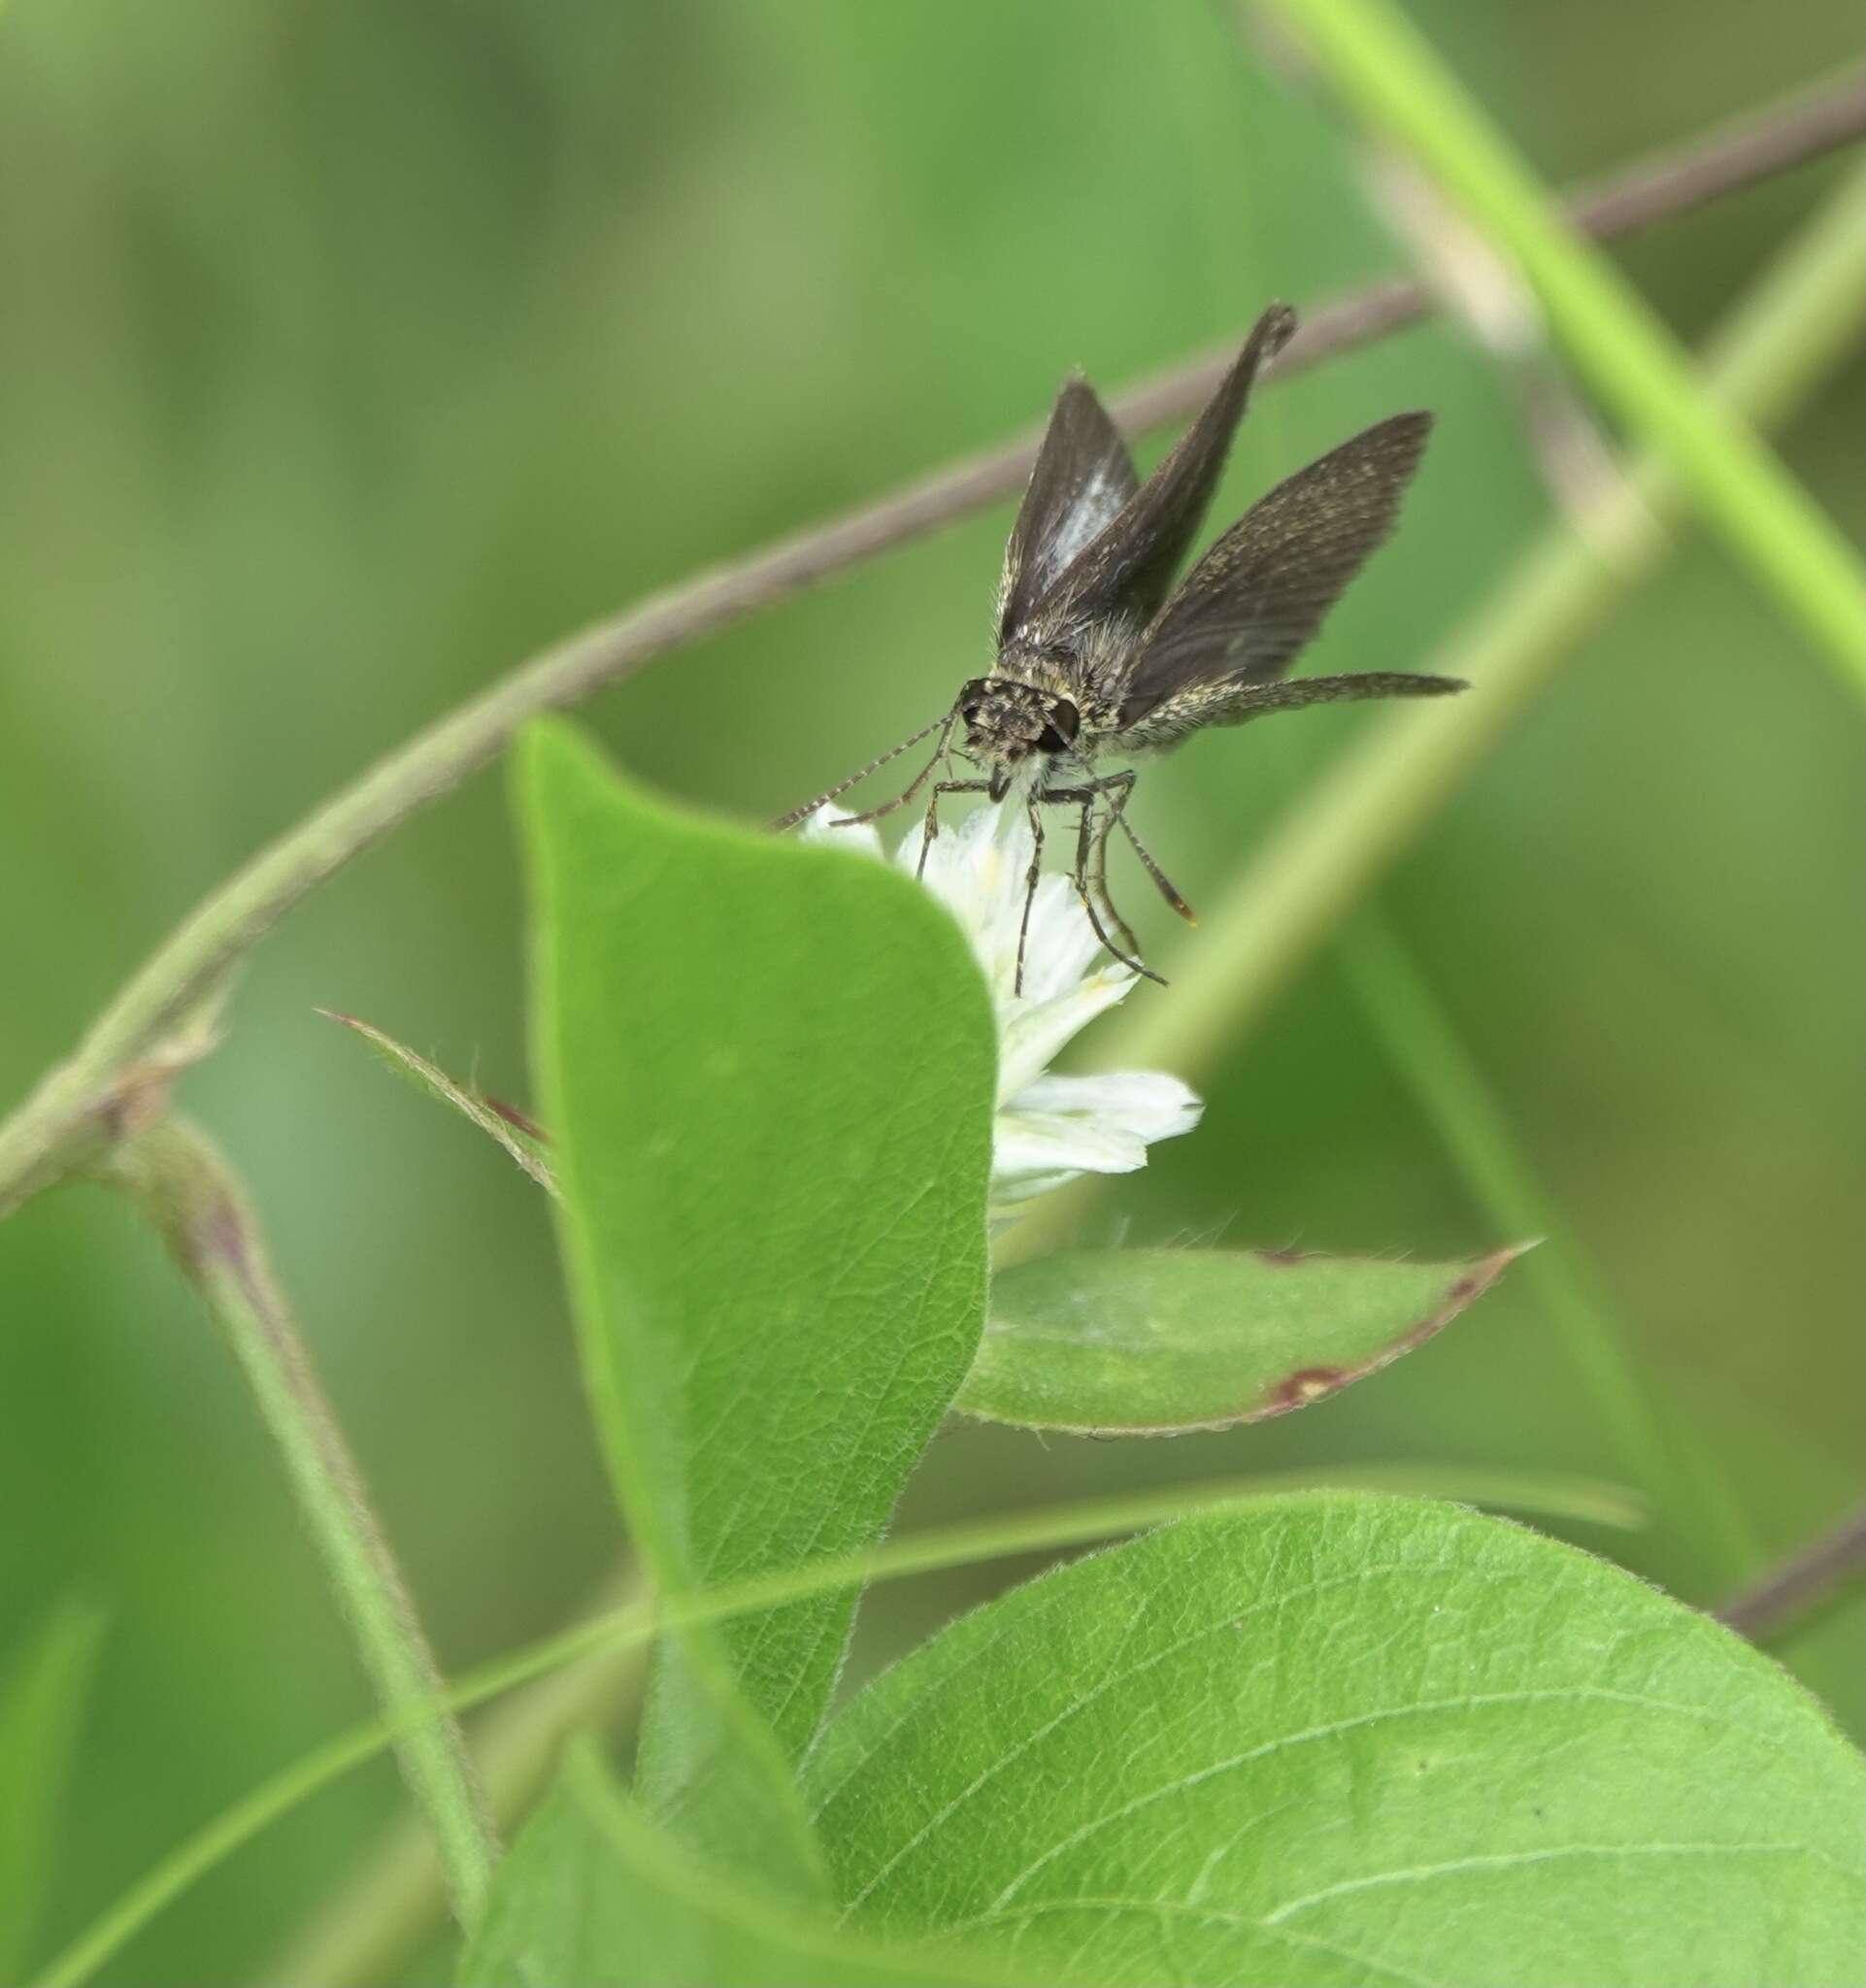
x=1009, y=1194
x=1144, y=1104
x=1026, y=1143
x=1047, y=1129
x=980, y=869
x=1061, y=944
x=984, y=865
x=1036, y=1030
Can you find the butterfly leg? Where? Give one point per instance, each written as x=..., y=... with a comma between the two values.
x=1100, y=880
x=930, y=827
x=1031, y=877
x=1089, y=877
x=1123, y=784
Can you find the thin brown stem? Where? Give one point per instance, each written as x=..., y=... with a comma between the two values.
x=1800, y=1583
x=133, y=1046
x=1750, y=148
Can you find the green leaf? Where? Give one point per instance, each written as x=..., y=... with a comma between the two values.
x=1351, y=1740
x=1154, y=1342
x=510, y=1130
x=43, y=1685
x=769, y=1072
x=184, y=1867
x=593, y=1896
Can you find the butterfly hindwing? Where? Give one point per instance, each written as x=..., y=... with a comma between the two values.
x=1083, y=476
x=1234, y=703
x=1262, y=589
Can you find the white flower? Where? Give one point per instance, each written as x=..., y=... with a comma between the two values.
x=1047, y=1129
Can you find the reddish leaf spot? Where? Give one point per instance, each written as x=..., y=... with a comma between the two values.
x=1308, y=1385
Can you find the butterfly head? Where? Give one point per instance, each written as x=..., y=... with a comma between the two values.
x=1008, y=723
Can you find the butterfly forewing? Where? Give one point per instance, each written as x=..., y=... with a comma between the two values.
x=1083, y=478
x=1261, y=591
x=1129, y=568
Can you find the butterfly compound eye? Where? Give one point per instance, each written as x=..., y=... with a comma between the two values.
x=969, y=697
x=1065, y=721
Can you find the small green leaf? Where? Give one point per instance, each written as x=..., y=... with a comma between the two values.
x=1351, y=1740
x=768, y=1070
x=507, y=1128
x=593, y=1896
x=44, y=1684
x=1155, y=1342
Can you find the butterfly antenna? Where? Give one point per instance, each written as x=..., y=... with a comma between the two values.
x=809, y=808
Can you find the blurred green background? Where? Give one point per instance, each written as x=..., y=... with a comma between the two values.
x=350, y=352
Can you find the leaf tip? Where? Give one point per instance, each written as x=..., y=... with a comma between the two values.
x=1485, y=1270
x=551, y=754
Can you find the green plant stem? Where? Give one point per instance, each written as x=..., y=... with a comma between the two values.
x=46, y=1678
x=130, y=1048
x=1389, y=74
x=1400, y=1009
x=1380, y=796
x=375, y=1925
x=958, y=1545
x=191, y=1196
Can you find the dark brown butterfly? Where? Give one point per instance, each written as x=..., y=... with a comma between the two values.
x=1101, y=658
